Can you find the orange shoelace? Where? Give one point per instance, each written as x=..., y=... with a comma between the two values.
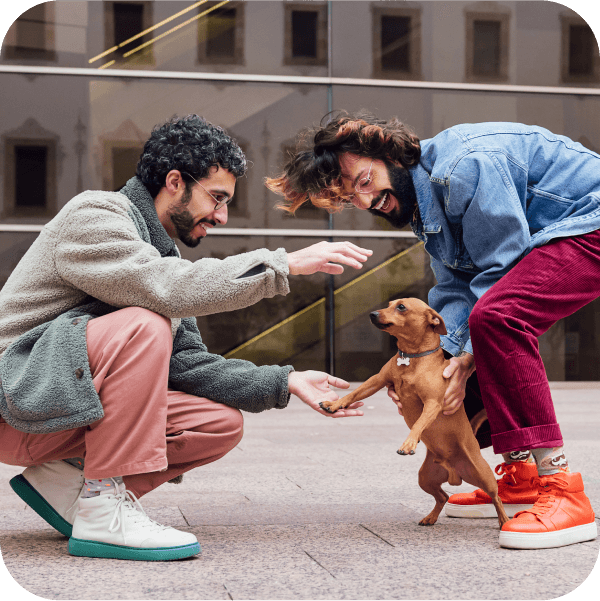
x=507, y=471
x=546, y=497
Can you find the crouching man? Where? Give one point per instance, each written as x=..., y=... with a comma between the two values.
x=106, y=389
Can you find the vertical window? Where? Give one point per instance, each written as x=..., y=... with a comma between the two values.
x=32, y=35
x=305, y=34
x=122, y=21
x=31, y=173
x=487, y=47
x=128, y=21
x=580, y=60
x=221, y=33
x=396, y=42
x=30, y=167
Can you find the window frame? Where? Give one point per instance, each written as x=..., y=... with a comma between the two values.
x=565, y=76
x=202, y=57
x=322, y=22
x=146, y=55
x=415, y=14
x=10, y=209
x=504, y=20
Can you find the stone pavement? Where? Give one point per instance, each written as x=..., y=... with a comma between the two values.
x=309, y=507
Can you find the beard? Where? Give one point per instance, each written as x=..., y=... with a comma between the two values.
x=403, y=190
x=183, y=221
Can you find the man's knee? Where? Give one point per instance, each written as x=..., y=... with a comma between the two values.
x=234, y=425
x=485, y=317
x=148, y=324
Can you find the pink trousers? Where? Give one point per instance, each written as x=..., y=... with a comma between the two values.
x=149, y=434
x=550, y=283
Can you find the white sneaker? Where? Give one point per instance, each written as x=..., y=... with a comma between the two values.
x=51, y=489
x=114, y=525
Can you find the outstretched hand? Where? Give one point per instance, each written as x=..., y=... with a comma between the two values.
x=327, y=257
x=312, y=388
x=458, y=373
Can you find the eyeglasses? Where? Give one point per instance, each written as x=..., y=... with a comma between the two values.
x=365, y=184
x=219, y=202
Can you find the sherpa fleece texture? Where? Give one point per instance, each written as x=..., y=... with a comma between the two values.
x=108, y=250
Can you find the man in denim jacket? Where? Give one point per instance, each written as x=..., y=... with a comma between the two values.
x=510, y=217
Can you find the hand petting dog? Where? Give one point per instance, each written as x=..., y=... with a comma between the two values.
x=312, y=388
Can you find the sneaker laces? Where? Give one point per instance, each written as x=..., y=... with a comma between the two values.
x=507, y=471
x=546, y=494
x=128, y=506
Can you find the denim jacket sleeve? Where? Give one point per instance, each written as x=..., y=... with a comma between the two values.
x=485, y=208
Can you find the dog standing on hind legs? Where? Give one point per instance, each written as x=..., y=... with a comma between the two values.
x=453, y=453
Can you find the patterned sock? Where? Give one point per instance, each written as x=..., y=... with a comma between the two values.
x=524, y=456
x=550, y=461
x=75, y=461
x=93, y=488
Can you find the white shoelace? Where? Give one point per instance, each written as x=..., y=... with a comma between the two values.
x=129, y=506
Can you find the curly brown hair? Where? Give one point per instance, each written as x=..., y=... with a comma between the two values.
x=313, y=173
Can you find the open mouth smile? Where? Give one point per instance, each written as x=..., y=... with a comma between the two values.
x=384, y=204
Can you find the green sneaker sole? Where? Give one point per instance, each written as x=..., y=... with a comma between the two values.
x=88, y=548
x=33, y=498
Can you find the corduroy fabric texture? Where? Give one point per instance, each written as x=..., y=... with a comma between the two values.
x=550, y=283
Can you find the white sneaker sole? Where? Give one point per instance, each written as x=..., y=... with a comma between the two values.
x=482, y=511
x=548, y=540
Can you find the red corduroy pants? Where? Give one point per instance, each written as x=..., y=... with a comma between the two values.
x=550, y=283
x=149, y=434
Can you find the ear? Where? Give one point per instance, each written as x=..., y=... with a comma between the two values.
x=436, y=320
x=174, y=182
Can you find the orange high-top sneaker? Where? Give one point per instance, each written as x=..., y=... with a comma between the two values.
x=515, y=488
x=562, y=515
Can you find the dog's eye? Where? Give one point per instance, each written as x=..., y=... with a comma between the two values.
x=401, y=308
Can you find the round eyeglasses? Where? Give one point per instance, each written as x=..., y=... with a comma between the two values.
x=219, y=202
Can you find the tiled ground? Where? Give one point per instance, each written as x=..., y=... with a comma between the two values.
x=309, y=507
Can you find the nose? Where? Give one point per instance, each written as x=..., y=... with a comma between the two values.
x=374, y=316
x=221, y=215
x=362, y=201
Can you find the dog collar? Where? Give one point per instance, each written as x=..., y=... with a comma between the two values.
x=404, y=358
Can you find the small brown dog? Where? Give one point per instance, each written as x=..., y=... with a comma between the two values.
x=453, y=453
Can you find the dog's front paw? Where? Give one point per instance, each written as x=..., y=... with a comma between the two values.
x=408, y=448
x=329, y=406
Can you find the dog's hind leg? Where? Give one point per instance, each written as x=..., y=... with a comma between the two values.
x=478, y=473
x=431, y=476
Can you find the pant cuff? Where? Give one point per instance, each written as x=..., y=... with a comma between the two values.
x=536, y=437
x=127, y=469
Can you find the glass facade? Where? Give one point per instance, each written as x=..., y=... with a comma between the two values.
x=83, y=83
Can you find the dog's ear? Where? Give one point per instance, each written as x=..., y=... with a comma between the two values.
x=436, y=320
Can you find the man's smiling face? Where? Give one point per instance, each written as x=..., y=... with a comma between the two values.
x=387, y=189
x=192, y=211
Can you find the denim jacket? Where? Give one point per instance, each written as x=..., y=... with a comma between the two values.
x=488, y=194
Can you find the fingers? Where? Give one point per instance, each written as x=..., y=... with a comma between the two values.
x=450, y=369
x=392, y=394
x=337, y=382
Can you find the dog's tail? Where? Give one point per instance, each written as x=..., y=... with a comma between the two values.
x=477, y=420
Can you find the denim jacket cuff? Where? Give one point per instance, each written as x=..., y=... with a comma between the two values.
x=450, y=345
x=468, y=347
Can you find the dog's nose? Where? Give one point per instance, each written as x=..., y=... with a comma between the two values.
x=374, y=316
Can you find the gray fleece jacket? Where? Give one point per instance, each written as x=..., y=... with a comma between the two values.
x=108, y=250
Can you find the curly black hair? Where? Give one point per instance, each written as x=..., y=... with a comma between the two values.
x=190, y=145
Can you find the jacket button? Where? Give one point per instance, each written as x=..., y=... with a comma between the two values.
x=79, y=373
x=76, y=321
